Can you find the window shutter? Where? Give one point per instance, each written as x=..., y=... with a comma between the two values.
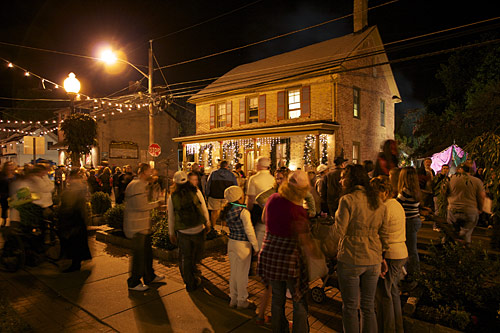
x=262, y=108
x=242, y=112
x=305, y=101
x=281, y=105
x=212, y=116
x=229, y=114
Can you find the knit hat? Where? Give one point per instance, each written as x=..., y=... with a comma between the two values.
x=298, y=178
x=180, y=177
x=233, y=193
x=321, y=168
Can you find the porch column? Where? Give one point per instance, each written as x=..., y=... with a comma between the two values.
x=184, y=157
x=254, y=148
x=317, y=149
x=220, y=151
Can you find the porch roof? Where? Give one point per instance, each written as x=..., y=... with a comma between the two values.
x=272, y=131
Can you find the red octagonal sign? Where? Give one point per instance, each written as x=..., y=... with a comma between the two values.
x=154, y=150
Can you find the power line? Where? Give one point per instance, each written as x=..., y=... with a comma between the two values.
x=35, y=99
x=376, y=48
x=272, y=38
x=208, y=20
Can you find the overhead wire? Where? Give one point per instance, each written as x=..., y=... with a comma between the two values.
x=271, y=38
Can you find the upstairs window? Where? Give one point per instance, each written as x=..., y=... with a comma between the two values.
x=253, y=109
x=382, y=112
x=294, y=103
x=356, y=92
x=221, y=115
x=356, y=153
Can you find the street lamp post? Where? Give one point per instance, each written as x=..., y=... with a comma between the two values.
x=72, y=87
x=109, y=57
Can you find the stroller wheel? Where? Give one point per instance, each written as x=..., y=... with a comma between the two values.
x=318, y=294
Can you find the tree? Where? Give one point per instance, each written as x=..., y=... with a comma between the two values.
x=468, y=103
x=80, y=133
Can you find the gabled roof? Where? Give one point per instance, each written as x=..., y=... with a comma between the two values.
x=320, y=56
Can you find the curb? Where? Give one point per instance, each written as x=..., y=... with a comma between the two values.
x=412, y=325
x=158, y=253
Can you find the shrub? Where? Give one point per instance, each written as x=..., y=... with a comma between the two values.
x=159, y=224
x=114, y=216
x=100, y=202
x=463, y=283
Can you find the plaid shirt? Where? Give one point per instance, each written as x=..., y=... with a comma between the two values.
x=236, y=229
x=280, y=260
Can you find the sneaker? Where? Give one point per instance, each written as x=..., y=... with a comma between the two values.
x=139, y=287
x=263, y=321
x=244, y=304
x=158, y=278
x=233, y=304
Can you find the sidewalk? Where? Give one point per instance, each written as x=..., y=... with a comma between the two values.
x=96, y=299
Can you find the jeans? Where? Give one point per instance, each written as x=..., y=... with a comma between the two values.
x=466, y=220
x=142, y=260
x=412, y=226
x=278, y=318
x=389, y=315
x=190, y=253
x=358, y=285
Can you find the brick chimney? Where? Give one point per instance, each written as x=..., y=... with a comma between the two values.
x=360, y=15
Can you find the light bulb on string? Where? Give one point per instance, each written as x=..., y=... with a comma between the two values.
x=27, y=74
x=10, y=65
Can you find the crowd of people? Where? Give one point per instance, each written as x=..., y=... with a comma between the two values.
x=377, y=208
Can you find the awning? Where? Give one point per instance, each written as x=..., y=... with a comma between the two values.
x=273, y=131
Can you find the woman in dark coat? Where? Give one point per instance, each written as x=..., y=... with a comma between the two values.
x=72, y=227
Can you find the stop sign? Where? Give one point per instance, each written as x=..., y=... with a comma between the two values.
x=154, y=150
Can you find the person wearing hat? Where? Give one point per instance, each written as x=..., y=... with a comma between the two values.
x=333, y=187
x=217, y=183
x=137, y=226
x=239, y=247
x=187, y=223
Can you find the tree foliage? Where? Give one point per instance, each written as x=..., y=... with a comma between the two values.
x=80, y=134
x=468, y=103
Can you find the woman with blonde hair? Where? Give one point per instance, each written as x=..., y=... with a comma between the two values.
x=388, y=301
x=409, y=197
x=281, y=261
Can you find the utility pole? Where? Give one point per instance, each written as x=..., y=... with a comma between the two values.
x=150, y=91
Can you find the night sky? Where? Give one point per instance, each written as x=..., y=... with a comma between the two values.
x=80, y=27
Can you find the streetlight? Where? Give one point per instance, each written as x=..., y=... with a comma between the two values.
x=72, y=87
x=109, y=57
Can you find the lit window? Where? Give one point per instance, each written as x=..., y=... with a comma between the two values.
x=382, y=113
x=294, y=103
x=356, y=92
x=355, y=153
x=253, y=109
x=221, y=115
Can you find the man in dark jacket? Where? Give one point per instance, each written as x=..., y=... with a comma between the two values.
x=217, y=183
x=333, y=187
x=125, y=178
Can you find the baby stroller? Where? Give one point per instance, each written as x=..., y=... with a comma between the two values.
x=322, y=230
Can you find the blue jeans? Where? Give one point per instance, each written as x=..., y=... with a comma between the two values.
x=278, y=317
x=412, y=226
x=358, y=285
x=190, y=254
x=389, y=315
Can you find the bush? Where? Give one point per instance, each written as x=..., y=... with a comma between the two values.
x=100, y=202
x=114, y=216
x=159, y=224
x=463, y=283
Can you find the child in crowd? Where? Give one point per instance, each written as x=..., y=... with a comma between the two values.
x=241, y=241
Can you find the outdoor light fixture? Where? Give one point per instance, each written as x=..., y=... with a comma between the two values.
x=108, y=56
x=71, y=84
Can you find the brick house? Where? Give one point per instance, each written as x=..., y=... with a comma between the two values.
x=301, y=107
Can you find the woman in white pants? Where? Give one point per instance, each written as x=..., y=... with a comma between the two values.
x=239, y=247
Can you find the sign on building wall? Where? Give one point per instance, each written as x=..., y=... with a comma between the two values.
x=123, y=149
